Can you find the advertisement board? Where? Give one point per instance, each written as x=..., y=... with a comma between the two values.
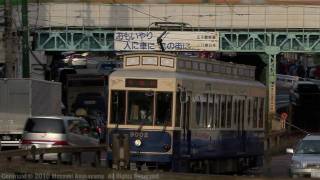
x=171, y=41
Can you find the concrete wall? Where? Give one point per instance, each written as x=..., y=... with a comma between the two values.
x=197, y=15
x=291, y=2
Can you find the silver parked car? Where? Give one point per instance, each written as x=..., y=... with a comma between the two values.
x=58, y=131
x=305, y=161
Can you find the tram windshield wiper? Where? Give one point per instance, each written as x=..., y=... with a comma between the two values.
x=166, y=123
x=141, y=125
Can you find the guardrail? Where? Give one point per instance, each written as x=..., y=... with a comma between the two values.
x=316, y=81
x=75, y=151
x=286, y=80
x=277, y=142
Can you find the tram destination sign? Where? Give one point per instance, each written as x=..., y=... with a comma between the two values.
x=141, y=83
x=171, y=41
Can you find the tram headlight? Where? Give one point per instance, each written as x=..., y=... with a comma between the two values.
x=137, y=142
x=166, y=147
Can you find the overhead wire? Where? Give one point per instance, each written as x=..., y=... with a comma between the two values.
x=147, y=14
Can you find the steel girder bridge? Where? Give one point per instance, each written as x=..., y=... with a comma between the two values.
x=267, y=44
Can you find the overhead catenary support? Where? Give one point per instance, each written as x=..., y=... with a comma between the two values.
x=25, y=39
x=9, y=41
x=271, y=61
x=270, y=58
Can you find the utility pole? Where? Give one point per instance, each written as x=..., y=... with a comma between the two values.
x=9, y=47
x=25, y=40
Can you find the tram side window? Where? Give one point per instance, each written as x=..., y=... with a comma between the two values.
x=242, y=112
x=204, y=110
x=223, y=106
x=249, y=112
x=261, y=113
x=210, y=112
x=178, y=110
x=198, y=111
x=229, y=111
x=164, y=108
x=118, y=105
x=235, y=112
x=217, y=111
x=255, y=112
x=140, y=108
x=239, y=113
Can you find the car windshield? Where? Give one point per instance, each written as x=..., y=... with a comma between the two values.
x=44, y=125
x=309, y=147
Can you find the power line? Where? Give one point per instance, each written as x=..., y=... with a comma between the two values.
x=121, y=4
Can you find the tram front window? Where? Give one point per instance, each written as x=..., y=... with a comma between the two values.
x=140, y=108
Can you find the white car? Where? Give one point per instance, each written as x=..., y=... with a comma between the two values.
x=76, y=60
x=58, y=131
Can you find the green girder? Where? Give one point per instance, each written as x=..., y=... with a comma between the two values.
x=270, y=42
x=74, y=40
x=258, y=41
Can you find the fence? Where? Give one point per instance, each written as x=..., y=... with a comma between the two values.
x=74, y=151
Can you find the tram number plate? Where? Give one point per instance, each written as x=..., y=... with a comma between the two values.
x=315, y=174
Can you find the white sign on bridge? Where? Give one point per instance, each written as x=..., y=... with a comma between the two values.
x=172, y=41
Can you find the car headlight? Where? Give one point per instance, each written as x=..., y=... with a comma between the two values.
x=296, y=164
x=137, y=142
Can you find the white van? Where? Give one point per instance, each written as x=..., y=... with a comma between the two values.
x=59, y=131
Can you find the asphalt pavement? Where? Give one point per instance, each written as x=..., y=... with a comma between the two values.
x=280, y=166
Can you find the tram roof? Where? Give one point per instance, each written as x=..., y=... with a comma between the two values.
x=161, y=61
x=150, y=74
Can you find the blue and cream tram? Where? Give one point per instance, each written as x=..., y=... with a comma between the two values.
x=187, y=114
